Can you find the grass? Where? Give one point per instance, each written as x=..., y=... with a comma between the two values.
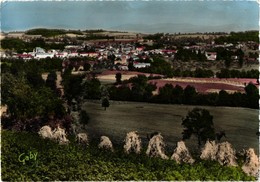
x=240, y=124
x=76, y=162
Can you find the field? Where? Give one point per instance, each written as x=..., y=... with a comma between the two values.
x=240, y=124
x=48, y=161
x=207, y=85
x=202, y=85
x=109, y=76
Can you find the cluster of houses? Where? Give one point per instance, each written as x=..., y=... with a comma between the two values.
x=122, y=52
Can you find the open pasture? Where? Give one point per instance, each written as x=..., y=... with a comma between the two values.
x=240, y=124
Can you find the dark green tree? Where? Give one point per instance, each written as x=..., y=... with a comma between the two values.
x=91, y=89
x=25, y=102
x=177, y=94
x=141, y=90
x=51, y=81
x=189, y=94
x=105, y=103
x=198, y=122
x=252, y=94
x=118, y=78
x=166, y=93
x=223, y=98
x=122, y=93
x=34, y=78
x=84, y=117
x=72, y=86
x=87, y=67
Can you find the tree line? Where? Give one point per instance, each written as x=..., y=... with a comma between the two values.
x=223, y=73
x=235, y=37
x=51, y=32
x=140, y=90
x=20, y=46
x=232, y=73
x=43, y=65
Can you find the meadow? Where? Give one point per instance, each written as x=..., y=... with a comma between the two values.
x=240, y=124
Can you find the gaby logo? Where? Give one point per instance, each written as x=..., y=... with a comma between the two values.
x=23, y=158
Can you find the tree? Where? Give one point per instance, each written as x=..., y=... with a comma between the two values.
x=25, y=102
x=35, y=79
x=105, y=103
x=198, y=122
x=228, y=62
x=87, y=67
x=223, y=98
x=240, y=62
x=141, y=90
x=166, y=93
x=72, y=86
x=91, y=89
x=122, y=93
x=51, y=81
x=84, y=118
x=189, y=95
x=118, y=78
x=33, y=73
x=252, y=94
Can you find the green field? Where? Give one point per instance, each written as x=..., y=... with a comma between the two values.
x=74, y=162
x=240, y=124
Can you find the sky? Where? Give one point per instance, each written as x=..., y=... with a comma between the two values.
x=142, y=16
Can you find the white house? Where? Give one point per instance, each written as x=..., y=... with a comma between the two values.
x=39, y=53
x=141, y=65
x=211, y=56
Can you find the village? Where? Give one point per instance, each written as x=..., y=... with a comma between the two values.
x=120, y=49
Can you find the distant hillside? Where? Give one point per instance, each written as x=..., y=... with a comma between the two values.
x=176, y=28
x=51, y=32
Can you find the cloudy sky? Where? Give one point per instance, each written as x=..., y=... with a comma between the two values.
x=145, y=16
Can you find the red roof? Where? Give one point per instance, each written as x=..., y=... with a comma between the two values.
x=24, y=55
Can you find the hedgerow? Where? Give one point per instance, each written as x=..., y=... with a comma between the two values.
x=76, y=162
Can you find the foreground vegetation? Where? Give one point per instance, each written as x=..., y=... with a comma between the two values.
x=75, y=162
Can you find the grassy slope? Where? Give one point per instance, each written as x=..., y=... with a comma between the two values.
x=74, y=162
x=240, y=124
